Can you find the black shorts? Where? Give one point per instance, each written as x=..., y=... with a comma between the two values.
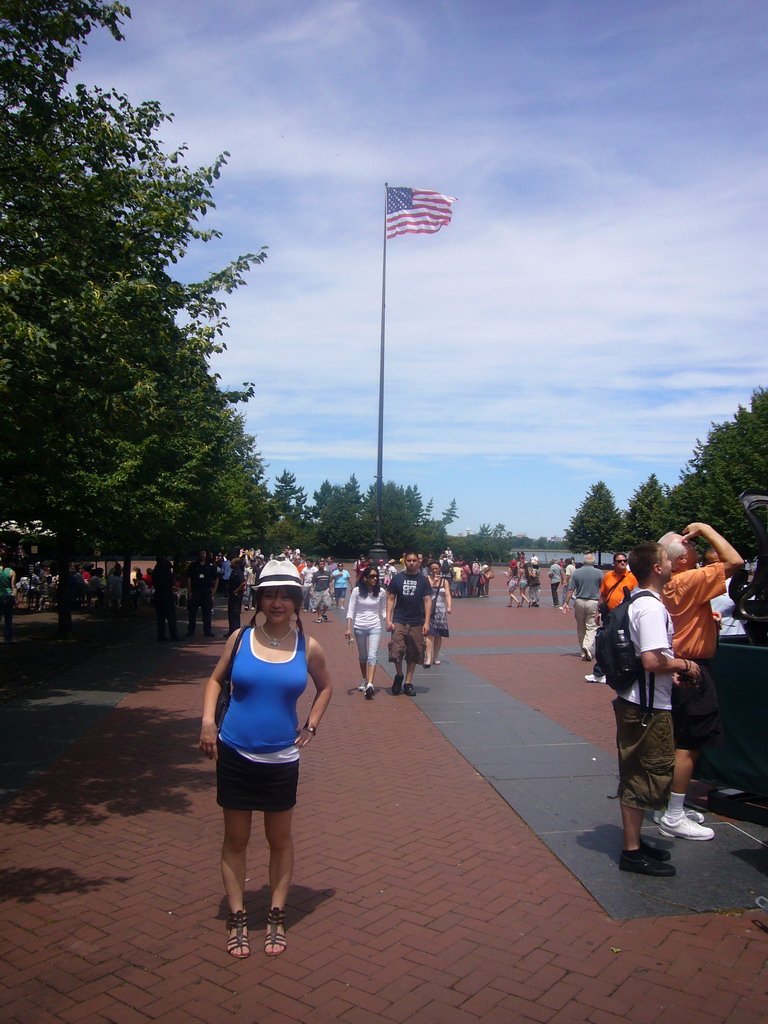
x=243, y=785
x=696, y=714
x=694, y=732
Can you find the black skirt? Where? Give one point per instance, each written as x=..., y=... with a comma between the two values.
x=243, y=785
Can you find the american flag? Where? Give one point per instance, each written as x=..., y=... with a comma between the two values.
x=416, y=211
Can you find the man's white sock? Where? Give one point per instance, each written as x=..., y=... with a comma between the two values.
x=676, y=809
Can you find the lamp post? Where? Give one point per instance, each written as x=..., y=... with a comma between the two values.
x=378, y=551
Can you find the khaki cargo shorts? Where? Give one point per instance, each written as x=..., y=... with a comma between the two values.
x=646, y=755
x=407, y=642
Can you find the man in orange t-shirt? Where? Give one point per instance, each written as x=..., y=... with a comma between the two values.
x=695, y=711
x=617, y=583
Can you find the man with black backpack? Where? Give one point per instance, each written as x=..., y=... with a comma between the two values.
x=644, y=735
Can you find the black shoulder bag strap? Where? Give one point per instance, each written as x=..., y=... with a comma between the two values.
x=611, y=591
x=222, y=704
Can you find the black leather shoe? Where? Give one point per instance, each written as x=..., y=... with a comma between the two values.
x=397, y=684
x=409, y=690
x=644, y=865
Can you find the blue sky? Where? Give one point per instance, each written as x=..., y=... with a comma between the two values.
x=599, y=297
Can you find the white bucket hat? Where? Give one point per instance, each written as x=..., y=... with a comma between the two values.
x=278, y=572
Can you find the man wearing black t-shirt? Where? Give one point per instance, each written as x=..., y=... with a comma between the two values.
x=409, y=605
x=203, y=581
x=165, y=609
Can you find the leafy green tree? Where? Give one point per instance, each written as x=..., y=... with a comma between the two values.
x=339, y=530
x=646, y=514
x=687, y=503
x=289, y=498
x=734, y=458
x=431, y=538
x=353, y=493
x=321, y=496
x=40, y=45
x=93, y=326
x=522, y=542
x=596, y=523
x=502, y=544
x=451, y=513
x=398, y=523
x=489, y=544
x=414, y=503
x=289, y=531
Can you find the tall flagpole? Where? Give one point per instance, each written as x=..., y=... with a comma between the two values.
x=378, y=551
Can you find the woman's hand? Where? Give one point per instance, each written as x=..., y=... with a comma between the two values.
x=209, y=734
x=304, y=737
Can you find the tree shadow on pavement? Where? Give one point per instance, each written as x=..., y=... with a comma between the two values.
x=136, y=760
x=188, y=662
x=24, y=885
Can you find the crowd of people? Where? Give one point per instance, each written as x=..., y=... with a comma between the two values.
x=663, y=720
x=675, y=609
x=524, y=580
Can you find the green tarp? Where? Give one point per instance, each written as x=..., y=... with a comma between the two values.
x=741, y=674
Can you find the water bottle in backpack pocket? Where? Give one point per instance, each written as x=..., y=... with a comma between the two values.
x=614, y=650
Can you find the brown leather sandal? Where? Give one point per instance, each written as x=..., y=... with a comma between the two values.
x=237, y=944
x=278, y=942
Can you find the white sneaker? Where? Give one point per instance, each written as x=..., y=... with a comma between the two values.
x=684, y=828
x=693, y=815
x=362, y=686
x=592, y=678
x=370, y=691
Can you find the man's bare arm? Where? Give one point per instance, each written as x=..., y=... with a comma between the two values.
x=726, y=553
x=656, y=661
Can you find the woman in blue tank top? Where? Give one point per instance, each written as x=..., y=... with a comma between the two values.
x=259, y=740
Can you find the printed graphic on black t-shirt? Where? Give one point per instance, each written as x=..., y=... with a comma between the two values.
x=202, y=576
x=410, y=592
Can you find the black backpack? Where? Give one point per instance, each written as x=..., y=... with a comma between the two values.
x=615, y=652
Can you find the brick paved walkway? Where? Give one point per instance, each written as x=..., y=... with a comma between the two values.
x=419, y=894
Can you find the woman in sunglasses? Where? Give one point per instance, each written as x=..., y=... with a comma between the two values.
x=366, y=607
